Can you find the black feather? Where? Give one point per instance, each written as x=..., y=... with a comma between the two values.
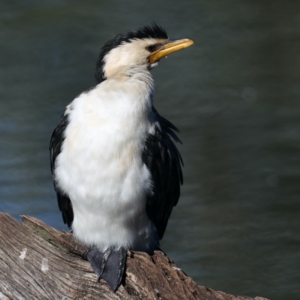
x=154, y=31
x=164, y=163
x=56, y=142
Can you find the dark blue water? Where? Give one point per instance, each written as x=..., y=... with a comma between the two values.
x=235, y=96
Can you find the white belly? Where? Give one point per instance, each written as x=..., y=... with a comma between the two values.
x=101, y=170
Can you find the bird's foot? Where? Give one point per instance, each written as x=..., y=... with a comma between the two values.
x=108, y=265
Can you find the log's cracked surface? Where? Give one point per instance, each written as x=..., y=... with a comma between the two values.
x=40, y=262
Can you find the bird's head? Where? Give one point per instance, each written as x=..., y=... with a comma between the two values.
x=144, y=47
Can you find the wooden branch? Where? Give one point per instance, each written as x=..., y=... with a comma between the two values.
x=40, y=262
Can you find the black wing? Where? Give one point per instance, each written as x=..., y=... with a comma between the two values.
x=56, y=141
x=164, y=163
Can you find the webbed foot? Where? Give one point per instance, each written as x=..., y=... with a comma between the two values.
x=108, y=265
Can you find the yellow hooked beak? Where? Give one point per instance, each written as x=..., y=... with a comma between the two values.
x=169, y=48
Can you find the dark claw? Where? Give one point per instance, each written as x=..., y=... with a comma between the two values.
x=95, y=257
x=108, y=265
x=114, y=268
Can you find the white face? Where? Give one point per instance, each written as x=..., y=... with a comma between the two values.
x=129, y=54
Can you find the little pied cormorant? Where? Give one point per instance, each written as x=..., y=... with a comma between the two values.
x=116, y=170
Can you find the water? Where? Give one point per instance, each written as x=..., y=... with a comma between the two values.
x=234, y=95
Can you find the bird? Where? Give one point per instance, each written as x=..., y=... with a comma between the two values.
x=116, y=169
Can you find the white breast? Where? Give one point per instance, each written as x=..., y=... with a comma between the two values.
x=100, y=167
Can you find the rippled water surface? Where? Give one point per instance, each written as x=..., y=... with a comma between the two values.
x=234, y=95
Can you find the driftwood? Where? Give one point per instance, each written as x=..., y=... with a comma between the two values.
x=40, y=262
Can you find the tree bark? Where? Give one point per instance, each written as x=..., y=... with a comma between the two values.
x=40, y=262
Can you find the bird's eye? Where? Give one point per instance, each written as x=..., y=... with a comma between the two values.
x=152, y=48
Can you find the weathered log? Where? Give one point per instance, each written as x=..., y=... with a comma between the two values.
x=40, y=262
